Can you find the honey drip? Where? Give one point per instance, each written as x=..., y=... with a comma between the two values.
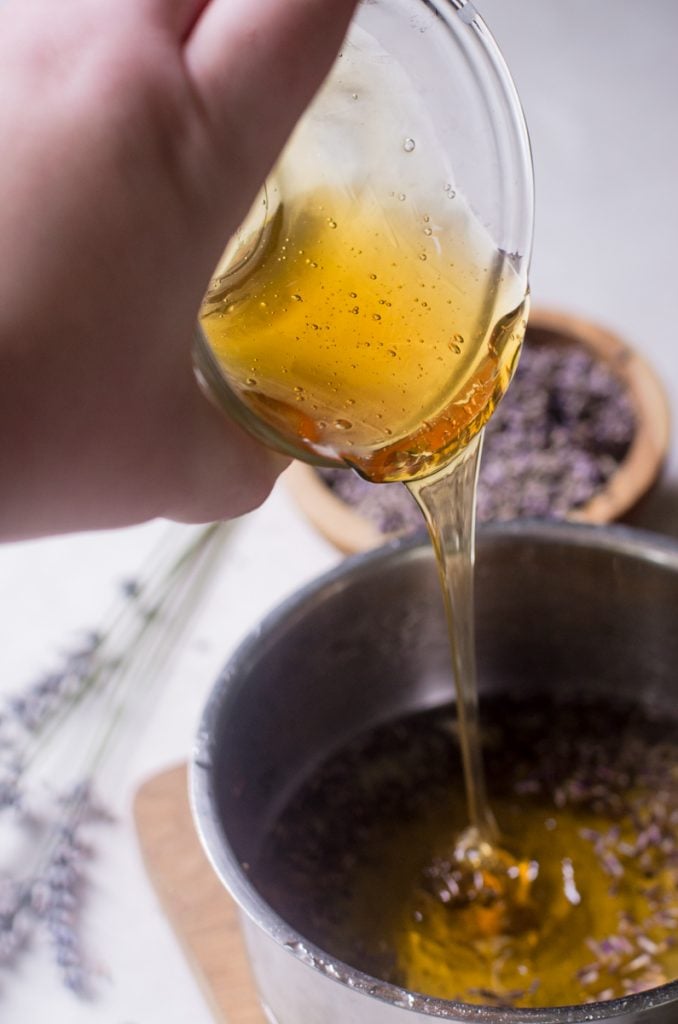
x=369, y=333
x=483, y=880
x=447, y=501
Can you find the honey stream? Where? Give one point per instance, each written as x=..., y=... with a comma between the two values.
x=381, y=333
x=448, y=501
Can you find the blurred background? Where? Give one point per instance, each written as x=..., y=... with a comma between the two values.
x=598, y=82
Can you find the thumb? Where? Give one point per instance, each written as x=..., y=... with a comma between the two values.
x=257, y=65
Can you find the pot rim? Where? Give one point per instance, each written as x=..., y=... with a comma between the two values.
x=623, y=540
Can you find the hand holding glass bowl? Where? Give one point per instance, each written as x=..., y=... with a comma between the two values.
x=370, y=311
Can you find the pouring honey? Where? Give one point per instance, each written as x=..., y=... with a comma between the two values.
x=370, y=314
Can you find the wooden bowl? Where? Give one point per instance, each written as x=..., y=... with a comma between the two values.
x=351, y=532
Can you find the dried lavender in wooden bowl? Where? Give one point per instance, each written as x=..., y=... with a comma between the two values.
x=581, y=433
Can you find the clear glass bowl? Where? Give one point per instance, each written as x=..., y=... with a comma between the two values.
x=418, y=130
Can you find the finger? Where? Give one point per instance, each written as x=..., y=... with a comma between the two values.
x=179, y=16
x=227, y=472
x=257, y=65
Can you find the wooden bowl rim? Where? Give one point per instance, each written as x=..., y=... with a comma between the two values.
x=351, y=532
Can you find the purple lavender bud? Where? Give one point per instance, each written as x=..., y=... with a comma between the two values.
x=77, y=979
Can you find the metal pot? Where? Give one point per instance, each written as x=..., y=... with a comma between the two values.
x=556, y=604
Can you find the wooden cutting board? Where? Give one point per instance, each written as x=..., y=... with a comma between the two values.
x=200, y=910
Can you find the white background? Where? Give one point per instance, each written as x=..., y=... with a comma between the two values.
x=599, y=82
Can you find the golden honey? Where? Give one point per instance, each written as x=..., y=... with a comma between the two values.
x=587, y=801
x=368, y=330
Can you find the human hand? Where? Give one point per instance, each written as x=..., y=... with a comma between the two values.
x=135, y=134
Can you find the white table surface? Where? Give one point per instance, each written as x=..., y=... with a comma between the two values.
x=599, y=82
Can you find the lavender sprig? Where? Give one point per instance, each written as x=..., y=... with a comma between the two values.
x=27, y=713
x=97, y=691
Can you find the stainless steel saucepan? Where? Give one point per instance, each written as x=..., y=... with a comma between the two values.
x=558, y=606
